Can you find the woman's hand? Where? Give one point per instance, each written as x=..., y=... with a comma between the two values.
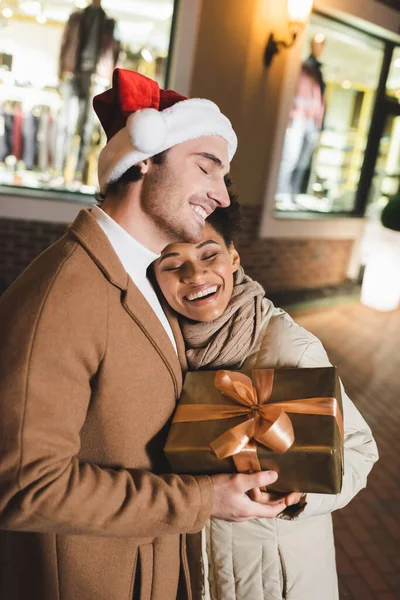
x=293, y=498
x=273, y=498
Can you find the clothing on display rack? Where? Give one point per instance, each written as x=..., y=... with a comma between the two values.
x=27, y=135
x=29, y=129
x=6, y=133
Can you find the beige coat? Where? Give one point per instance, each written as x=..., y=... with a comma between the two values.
x=277, y=559
x=88, y=382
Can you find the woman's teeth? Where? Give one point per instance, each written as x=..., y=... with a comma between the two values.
x=207, y=292
x=200, y=211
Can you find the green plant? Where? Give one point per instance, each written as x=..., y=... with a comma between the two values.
x=390, y=216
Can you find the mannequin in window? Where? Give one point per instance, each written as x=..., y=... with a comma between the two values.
x=306, y=118
x=89, y=53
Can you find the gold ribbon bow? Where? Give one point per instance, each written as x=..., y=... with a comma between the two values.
x=267, y=422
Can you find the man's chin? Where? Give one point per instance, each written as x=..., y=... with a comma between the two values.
x=191, y=237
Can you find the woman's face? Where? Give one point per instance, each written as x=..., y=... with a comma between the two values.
x=197, y=279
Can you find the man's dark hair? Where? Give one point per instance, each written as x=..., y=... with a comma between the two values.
x=227, y=221
x=118, y=188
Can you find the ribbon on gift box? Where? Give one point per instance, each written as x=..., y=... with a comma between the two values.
x=267, y=422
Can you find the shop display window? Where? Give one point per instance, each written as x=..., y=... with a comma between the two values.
x=55, y=55
x=393, y=81
x=386, y=176
x=329, y=119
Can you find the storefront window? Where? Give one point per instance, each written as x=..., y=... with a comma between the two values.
x=393, y=82
x=54, y=57
x=386, y=180
x=330, y=119
x=386, y=176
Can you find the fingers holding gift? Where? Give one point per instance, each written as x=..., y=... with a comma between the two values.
x=259, y=479
x=231, y=502
x=265, y=511
x=262, y=496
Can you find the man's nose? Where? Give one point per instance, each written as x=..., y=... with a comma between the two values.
x=220, y=194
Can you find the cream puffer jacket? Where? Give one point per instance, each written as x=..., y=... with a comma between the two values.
x=276, y=559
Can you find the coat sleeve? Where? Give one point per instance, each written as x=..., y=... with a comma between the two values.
x=52, y=345
x=360, y=451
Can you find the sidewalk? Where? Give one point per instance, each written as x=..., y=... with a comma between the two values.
x=365, y=346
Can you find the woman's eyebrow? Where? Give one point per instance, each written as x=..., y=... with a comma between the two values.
x=205, y=244
x=177, y=253
x=168, y=256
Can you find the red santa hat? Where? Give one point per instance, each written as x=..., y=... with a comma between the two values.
x=141, y=120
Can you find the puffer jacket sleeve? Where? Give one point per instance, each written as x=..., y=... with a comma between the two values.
x=360, y=450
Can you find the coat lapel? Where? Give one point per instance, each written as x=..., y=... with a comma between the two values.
x=176, y=330
x=139, y=309
x=93, y=239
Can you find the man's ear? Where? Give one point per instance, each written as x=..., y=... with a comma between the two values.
x=235, y=258
x=143, y=166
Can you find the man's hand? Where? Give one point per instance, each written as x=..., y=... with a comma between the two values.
x=231, y=502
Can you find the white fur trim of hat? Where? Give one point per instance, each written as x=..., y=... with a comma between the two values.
x=149, y=132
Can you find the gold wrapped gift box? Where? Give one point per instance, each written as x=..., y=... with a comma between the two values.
x=287, y=420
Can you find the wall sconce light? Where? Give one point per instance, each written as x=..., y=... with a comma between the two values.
x=298, y=13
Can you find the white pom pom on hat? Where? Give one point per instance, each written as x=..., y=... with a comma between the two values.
x=147, y=129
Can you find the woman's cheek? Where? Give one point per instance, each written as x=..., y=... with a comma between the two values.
x=221, y=270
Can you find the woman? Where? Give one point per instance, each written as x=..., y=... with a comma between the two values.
x=227, y=323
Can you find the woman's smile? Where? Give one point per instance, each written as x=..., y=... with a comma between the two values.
x=205, y=295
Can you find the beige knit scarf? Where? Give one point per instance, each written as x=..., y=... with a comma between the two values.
x=227, y=341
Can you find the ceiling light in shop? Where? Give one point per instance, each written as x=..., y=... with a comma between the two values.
x=7, y=13
x=147, y=55
x=30, y=8
x=346, y=84
x=41, y=19
x=319, y=38
x=397, y=62
x=81, y=3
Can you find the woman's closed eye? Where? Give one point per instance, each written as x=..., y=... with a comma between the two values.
x=210, y=256
x=172, y=268
x=204, y=171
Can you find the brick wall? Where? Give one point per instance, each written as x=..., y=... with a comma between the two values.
x=20, y=243
x=291, y=264
x=278, y=264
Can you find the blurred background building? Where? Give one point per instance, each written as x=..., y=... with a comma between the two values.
x=318, y=122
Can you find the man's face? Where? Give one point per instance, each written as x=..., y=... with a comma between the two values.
x=185, y=189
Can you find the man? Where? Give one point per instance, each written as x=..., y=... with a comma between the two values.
x=89, y=371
